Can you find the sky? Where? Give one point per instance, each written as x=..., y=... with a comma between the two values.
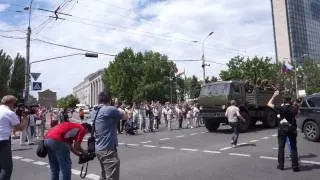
x=171, y=27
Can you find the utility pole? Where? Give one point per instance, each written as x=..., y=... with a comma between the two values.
x=27, y=62
x=203, y=59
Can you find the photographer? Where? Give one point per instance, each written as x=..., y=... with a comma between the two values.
x=59, y=141
x=106, y=121
x=8, y=121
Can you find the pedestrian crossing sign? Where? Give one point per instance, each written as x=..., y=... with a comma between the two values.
x=36, y=86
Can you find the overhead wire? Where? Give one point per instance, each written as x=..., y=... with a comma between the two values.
x=12, y=37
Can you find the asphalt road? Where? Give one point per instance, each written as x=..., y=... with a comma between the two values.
x=188, y=154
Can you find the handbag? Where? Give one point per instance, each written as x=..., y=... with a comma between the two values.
x=42, y=150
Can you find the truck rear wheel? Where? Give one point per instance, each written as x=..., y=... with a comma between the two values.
x=270, y=120
x=211, y=124
x=244, y=126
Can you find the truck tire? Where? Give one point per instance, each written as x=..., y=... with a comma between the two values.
x=211, y=124
x=244, y=126
x=270, y=120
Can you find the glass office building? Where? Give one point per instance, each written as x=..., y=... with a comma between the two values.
x=296, y=25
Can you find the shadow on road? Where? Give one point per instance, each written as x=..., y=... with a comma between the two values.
x=310, y=155
x=226, y=129
x=309, y=167
x=22, y=149
x=246, y=144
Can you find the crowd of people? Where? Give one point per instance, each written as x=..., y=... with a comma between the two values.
x=149, y=116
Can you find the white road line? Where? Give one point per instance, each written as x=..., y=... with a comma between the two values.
x=213, y=152
x=203, y=132
x=163, y=139
x=186, y=149
x=225, y=148
x=75, y=172
x=93, y=176
x=310, y=162
x=48, y=166
x=167, y=147
x=145, y=142
x=120, y=143
x=268, y=157
x=237, y=154
x=255, y=140
x=132, y=144
x=150, y=146
x=40, y=163
x=192, y=134
x=180, y=136
x=274, y=135
x=27, y=160
x=275, y=148
x=265, y=138
x=17, y=157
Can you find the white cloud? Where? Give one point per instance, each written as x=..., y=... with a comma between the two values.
x=240, y=28
x=4, y=7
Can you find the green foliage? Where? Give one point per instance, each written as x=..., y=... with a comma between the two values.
x=252, y=69
x=193, y=87
x=17, y=76
x=5, y=68
x=139, y=76
x=310, y=72
x=69, y=101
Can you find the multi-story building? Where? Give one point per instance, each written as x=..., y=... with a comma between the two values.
x=87, y=91
x=296, y=25
x=48, y=99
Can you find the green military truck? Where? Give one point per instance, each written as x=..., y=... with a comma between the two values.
x=214, y=99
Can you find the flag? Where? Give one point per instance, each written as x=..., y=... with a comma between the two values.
x=286, y=68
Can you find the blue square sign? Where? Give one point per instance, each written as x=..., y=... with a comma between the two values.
x=36, y=86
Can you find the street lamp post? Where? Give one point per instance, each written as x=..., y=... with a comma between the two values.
x=203, y=58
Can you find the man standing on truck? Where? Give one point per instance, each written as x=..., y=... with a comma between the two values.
x=233, y=115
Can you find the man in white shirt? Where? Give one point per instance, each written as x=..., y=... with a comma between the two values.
x=8, y=121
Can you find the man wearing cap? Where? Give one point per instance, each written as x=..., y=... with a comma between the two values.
x=8, y=121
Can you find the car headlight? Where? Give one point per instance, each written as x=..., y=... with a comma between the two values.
x=223, y=107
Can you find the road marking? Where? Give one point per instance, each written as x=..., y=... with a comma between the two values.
x=237, y=154
x=48, y=166
x=310, y=162
x=203, y=132
x=265, y=138
x=192, y=134
x=163, y=139
x=167, y=147
x=93, y=176
x=274, y=135
x=145, y=142
x=76, y=172
x=27, y=160
x=180, y=136
x=268, y=157
x=150, y=146
x=41, y=163
x=121, y=143
x=16, y=157
x=186, y=149
x=132, y=144
x=275, y=148
x=213, y=152
x=255, y=140
x=225, y=148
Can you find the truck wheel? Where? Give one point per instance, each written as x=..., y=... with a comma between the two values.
x=270, y=120
x=211, y=124
x=244, y=126
x=311, y=131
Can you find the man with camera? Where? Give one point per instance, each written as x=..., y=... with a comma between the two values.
x=59, y=141
x=8, y=121
x=107, y=118
x=287, y=129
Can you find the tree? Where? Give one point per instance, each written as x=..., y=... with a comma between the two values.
x=69, y=101
x=17, y=76
x=193, y=86
x=310, y=72
x=5, y=68
x=139, y=76
x=253, y=69
x=32, y=100
x=212, y=79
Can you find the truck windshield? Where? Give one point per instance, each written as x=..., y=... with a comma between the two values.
x=215, y=89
